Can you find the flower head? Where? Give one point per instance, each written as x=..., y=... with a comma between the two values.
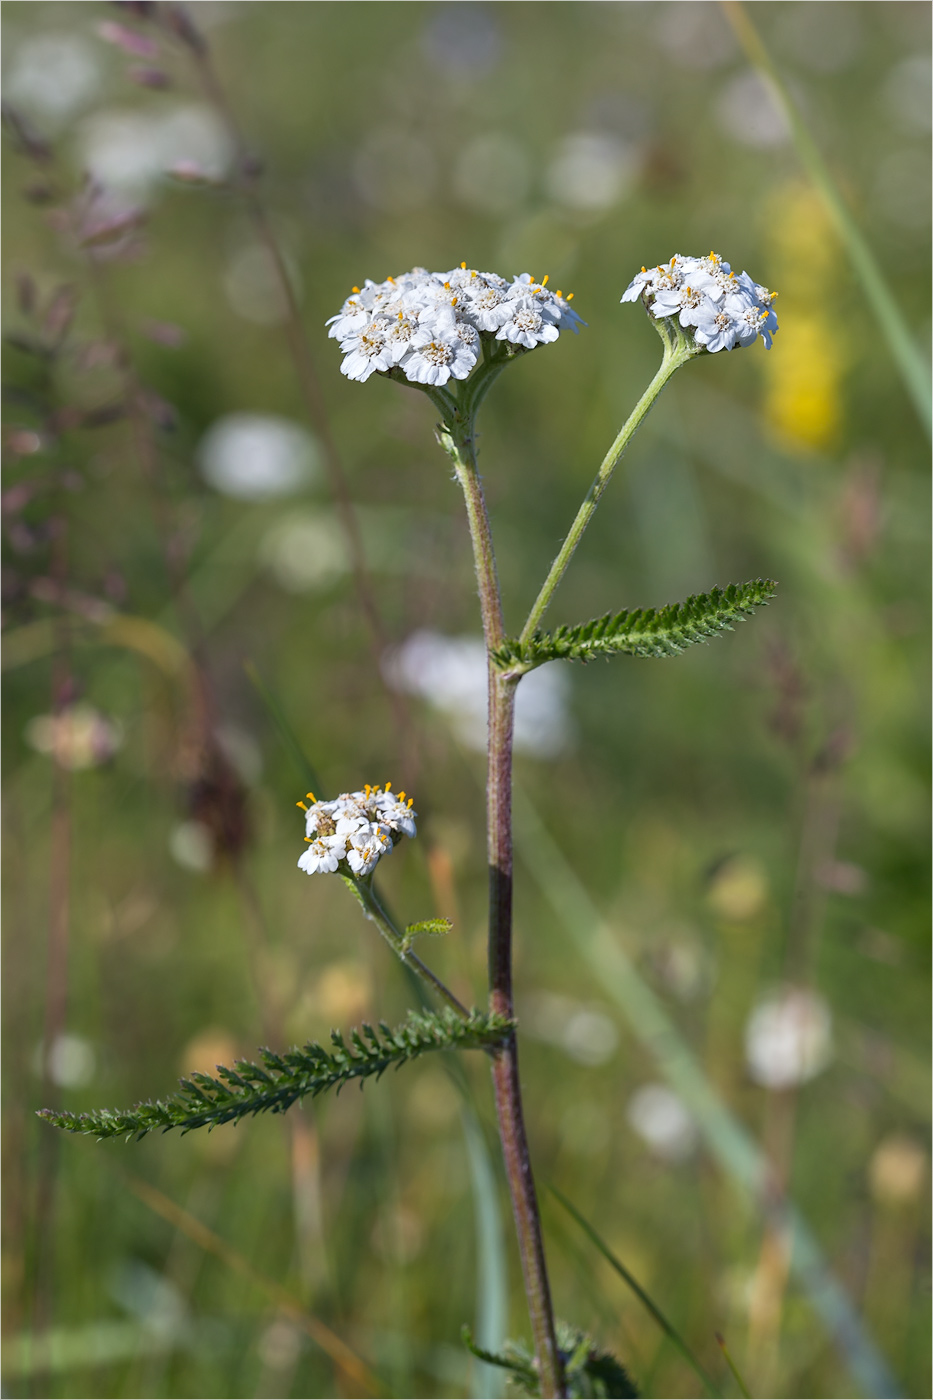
x=432, y=325
x=723, y=308
x=352, y=831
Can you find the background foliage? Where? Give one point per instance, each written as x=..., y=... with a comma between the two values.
x=750, y=813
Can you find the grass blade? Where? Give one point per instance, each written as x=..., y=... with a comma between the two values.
x=305, y=768
x=732, y=1366
x=352, y=1367
x=666, y=1327
x=491, y=1276
x=904, y=350
x=728, y=1140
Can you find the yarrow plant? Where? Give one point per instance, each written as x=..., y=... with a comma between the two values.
x=435, y=326
x=356, y=828
x=722, y=309
x=450, y=334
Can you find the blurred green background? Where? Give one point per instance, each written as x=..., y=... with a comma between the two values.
x=748, y=818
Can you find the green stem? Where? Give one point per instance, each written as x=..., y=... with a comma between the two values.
x=906, y=353
x=372, y=908
x=457, y=438
x=678, y=349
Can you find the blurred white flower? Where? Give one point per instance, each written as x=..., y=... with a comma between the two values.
x=192, y=846
x=462, y=39
x=492, y=174
x=788, y=1038
x=305, y=552
x=746, y=111
x=53, y=75
x=450, y=673
x=71, y=1061
x=395, y=170
x=662, y=1120
x=583, y=1030
x=824, y=37
x=131, y=150
x=906, y=92
x=252, y=285
x=592, y=170
x=255, y=456
x=280, y=1345
x=694, y=35
x=139, y=1289
x=683, y=965
x=241, y=751
x=79, y=737
x=902, y=188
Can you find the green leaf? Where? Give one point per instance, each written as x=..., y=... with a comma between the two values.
x=427, y=926
x=589, y=1372
x=282, y=1080
x=642, y=631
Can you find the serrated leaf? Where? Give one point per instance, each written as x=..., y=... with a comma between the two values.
x=279, y=1082
x=656, y=632
x=589, y=1372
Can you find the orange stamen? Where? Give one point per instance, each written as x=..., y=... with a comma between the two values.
x=311, y=795
x=302, y=806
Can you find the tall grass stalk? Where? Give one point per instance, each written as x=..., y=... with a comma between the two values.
x=647, y=1302
x=344, y=1358
x=911, y=363
x=728, y=1141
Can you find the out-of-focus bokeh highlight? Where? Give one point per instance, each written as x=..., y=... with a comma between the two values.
x=750, y=819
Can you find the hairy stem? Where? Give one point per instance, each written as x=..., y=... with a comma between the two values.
x=457, y=440
x=677, y=350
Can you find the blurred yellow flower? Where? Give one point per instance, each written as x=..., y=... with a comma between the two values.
x=803, y=403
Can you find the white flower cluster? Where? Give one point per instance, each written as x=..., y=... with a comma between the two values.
x=723, y=308
x=431, y=324
x=356, y=827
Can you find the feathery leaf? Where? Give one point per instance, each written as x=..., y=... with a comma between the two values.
x=641, y=631
x=589, y=1372
x=282, y=1080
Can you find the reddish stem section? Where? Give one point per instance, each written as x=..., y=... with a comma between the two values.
x=499, y=845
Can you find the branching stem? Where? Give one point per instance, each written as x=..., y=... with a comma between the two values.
x=373, y=909
x=456, y=436
x=678, y=349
